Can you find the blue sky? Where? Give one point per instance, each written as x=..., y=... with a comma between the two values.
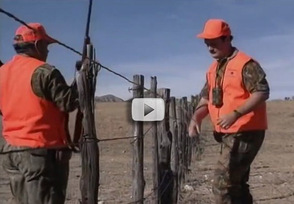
x=157, y=38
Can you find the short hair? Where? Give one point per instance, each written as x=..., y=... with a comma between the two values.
x=23, y=47
x=224, y=37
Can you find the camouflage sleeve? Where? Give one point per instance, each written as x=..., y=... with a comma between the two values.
x=254, y=78
x=205, y=91
x=48, y=83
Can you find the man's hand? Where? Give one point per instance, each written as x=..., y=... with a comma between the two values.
x=226, y=121
x=194, y=128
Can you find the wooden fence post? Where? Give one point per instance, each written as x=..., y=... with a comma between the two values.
x=188, y=111
x=186, y=138
x=194, y=101
x=174, y=150
x=194, y=140
x=180, y=141
x=155, y=173
x=138, y=145
x=165, y=140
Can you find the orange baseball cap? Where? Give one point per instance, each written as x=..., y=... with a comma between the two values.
x=26, y=34
x=215, y=28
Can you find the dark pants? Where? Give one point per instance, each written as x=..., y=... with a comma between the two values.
x=38, y=176
x=232, y=172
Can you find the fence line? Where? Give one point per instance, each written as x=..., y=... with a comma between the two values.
x=175, y=149
x=163, y=192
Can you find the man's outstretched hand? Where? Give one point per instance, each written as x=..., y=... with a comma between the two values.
x=194, y=128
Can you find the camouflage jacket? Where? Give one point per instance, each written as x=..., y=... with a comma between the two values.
x=48, y=83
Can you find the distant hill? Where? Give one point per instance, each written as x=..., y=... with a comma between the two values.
x=148, y=94
x=108, y=98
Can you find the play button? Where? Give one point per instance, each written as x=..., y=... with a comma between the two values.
x=148, y=109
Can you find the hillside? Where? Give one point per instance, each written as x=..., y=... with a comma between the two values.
x=108, y=98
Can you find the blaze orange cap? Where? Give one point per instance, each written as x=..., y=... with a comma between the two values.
x=215, y=28
x=26, y=34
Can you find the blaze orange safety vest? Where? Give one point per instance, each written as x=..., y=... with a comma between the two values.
x=234, y=96
x=28, y=120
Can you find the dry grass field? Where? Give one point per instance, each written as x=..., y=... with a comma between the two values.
x=272, y=173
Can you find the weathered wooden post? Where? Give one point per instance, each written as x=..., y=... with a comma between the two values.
x=165, y=140
x=194, y=140
x=190, y=140
x=174, y=150
x=180, y=141
x=190, y=113
x=186, y=138
x=194, y=102
x=155, y=173
x=138, y=145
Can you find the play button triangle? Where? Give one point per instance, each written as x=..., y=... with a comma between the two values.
x=147, y=109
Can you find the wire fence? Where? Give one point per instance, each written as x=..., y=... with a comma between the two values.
x=99, y=66
x=187, y=115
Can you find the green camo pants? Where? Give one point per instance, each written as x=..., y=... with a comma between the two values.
x=233, y=167
x=38, y=176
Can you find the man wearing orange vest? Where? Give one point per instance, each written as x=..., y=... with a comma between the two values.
x=234, y=96
x=34, y=104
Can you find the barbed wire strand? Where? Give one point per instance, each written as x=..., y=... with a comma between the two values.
x=186, y=112
x=97, y=140
x=79, y=53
